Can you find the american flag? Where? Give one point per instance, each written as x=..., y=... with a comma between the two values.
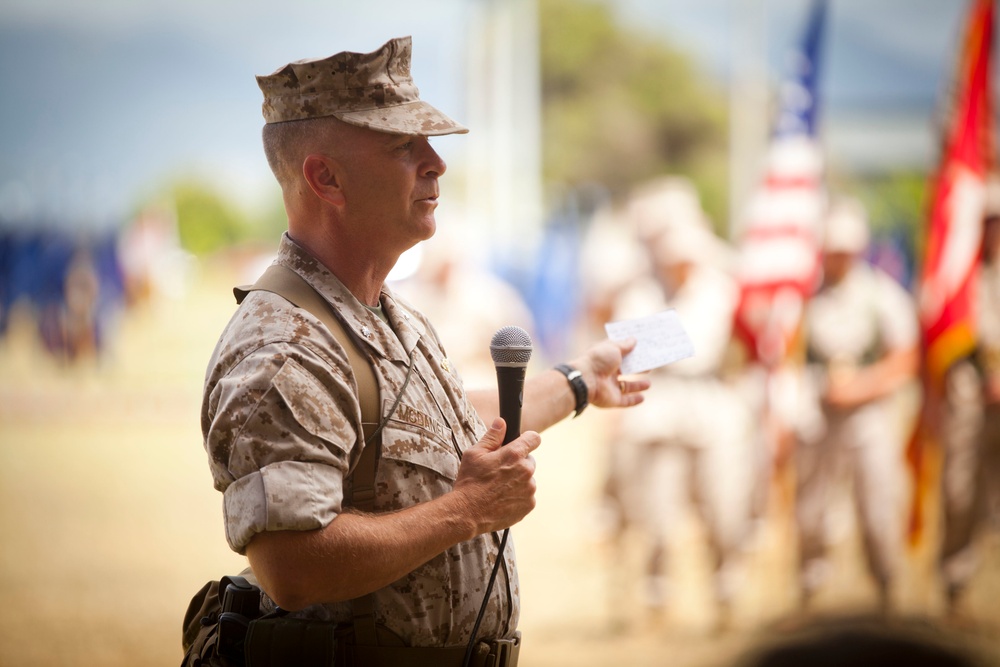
x=780, y=231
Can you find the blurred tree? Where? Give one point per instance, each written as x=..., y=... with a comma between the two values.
x=207, y=221
x=621, y=107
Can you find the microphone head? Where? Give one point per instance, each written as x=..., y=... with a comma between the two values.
x=511, y=346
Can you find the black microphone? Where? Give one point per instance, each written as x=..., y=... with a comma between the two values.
x=511, y=350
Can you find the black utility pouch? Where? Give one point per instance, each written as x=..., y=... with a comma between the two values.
x=240, y=606
x=280, y=641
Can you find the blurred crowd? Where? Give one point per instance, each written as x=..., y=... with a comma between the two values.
x=723, y=436
x=834, y=415
x=69, y=287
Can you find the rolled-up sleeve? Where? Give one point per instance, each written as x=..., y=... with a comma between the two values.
x=288, y=495
x=280, y=443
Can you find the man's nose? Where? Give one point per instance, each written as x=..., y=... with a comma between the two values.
x=433, y=164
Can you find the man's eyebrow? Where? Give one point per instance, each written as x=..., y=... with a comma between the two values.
x=391, y=139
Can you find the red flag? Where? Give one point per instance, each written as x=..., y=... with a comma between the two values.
x=954, y=234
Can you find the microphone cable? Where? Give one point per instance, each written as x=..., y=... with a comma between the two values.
x=510, y=349
x=486, y=599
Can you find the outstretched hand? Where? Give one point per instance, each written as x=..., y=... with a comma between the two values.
x=601, y=368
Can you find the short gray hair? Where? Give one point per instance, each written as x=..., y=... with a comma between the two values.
x=286, y=144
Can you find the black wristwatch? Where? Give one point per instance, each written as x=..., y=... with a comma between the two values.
x=580, y=391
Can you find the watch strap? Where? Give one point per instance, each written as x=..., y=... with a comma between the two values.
x=580, y=391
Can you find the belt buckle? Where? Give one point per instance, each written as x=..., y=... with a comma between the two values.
x=505, y=652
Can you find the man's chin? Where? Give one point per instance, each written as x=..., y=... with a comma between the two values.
x=429, y=228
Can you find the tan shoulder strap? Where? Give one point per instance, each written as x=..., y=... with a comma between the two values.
x=292, y=287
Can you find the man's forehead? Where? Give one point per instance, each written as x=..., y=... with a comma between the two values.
x=383, y=139
x=391, y=138
x=353, y=138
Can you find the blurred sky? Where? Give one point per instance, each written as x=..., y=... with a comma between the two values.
x=103, y=100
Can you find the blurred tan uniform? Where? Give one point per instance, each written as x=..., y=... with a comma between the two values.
x=615, y=260
x=971, y=423
x=281, y=415
x=688, y=446
x=466, y=303
x=853, y=324
x=82, y=290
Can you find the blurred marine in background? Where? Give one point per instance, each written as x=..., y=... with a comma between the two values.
x=970, y=480
x=688, y=446
x=861, y=347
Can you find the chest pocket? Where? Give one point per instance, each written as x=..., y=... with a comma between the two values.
x=423, y=443
x=313, y=407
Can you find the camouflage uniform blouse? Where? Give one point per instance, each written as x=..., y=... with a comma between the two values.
x=281, y=420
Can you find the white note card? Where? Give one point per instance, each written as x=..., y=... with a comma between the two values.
x=661, y=341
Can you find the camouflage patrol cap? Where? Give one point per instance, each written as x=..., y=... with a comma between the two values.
x=373, y=90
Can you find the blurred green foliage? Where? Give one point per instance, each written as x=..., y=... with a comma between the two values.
x=620, y=107
x=207, y=221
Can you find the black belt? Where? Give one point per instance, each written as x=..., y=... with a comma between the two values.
x=488, y=653
x=272, y=642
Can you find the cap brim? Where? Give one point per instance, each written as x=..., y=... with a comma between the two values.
x=413, y=118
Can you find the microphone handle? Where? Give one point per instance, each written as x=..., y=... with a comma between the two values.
x=510, y=385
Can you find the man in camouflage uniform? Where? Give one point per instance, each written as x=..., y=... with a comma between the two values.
x=347, y=139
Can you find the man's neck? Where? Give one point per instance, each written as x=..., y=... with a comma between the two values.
x=361, y=273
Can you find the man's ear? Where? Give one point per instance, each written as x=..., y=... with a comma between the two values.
x=322, y=173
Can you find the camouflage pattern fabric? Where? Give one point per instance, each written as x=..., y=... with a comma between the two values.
x=281, y=420
x=373, y=90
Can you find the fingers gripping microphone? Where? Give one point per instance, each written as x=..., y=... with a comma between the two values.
x=511, y=350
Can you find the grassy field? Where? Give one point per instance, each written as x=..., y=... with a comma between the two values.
x=109, y=524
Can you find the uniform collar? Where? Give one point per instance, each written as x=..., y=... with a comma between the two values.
x=364, y=324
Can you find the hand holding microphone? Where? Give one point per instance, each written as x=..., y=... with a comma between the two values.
x=512, y=466
x=497, y=480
